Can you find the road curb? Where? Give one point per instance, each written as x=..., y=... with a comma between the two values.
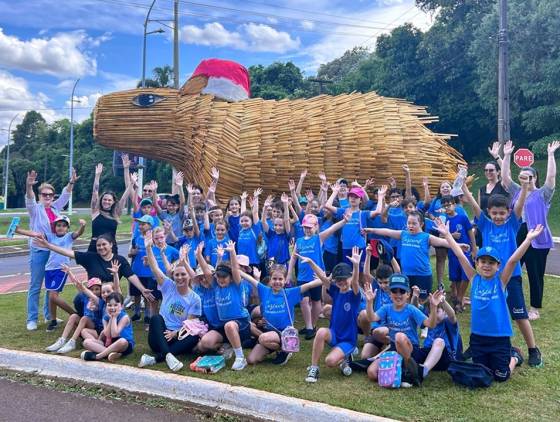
x=201, y=392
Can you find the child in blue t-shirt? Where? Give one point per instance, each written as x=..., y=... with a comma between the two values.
x=192, y=238
x=499, y=230
x=462, y=230
x=117, y=330
x=249, y=231
x=491, y=331
x=278, y=238
x=342, y=334
x=402, y=320
x=220, y=240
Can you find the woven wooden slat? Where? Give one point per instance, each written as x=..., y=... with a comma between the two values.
x=264, y=143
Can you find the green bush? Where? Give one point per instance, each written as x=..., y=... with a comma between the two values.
x=539, y=147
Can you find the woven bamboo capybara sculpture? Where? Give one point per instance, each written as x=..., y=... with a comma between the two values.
x=263, y=143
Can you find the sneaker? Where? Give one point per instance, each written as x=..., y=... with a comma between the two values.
x=345, y=368
x=53, y=325
x=135, y=317
x=172, y=362
x=87, y=355
x=356, y=352
x=516, y=353
x=146, y=360
x=535, y=358
x=58, y=320
x=68, y=347
x=31, y=325
x=310, y=334
x=56, y=345
x=226, y=351
x=302, y=330
x=239, y=364
x=281, y=358
x=312, y=374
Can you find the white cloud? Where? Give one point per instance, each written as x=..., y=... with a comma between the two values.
x=248, y=37
x=118, y=81
x=61, y=56
x=307, y=25
x=15, y=97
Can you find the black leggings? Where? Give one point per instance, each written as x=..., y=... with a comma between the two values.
x=161, y=347
x=535, y=263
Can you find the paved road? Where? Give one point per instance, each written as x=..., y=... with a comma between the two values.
x=22, y=402
x=79, y=211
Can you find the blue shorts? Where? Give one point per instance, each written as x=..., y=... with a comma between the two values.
x=314, y=294
x=55, y=280
x=346, y=346
x=424, y=283
x=456, y=273
x=515, y=299
x=244, y=329
x=492, y=352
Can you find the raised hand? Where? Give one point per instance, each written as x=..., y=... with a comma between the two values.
x=425, y=181
x=436, y=298
x=369, y=182
x=508, y=148
x=257, y=273
x=322, y=177
x=213, y=186
x=134, y=179
x=369, y=293
x=405, y=168
x=154, y=185
x=309, y=195
x=244, y=195
x=179, y=179
x=368, y=250
x=215, y=173
x=335, y=187
x=495, y=150
x=148, y=239
x=382, y=190
x=552, y=147
x=257, y=192
x=230, y=246
x=284, y=198
x=74, y=176
x=303, y=174
x=125, y=161
x=442, y=227
x=392, y=182
x=31, y=178
x=220, y=251
x=303, y=259
x=356, y=256
x=268, y=201
x=291, y=185
x=536, y=232
x=115, y=266
x=98, y=169
x=82, y=222
x=415, y=291
x=199, y=249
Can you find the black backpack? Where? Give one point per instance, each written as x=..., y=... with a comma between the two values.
x=471, y=375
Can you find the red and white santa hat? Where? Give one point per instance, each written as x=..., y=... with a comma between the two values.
x=226, y=79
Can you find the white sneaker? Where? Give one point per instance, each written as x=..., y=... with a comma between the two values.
x=68, y=347
x=56, y=345
x=173, y=363
x=239, y=364
x=31, y=325
x=146, y=360
x=356, y=352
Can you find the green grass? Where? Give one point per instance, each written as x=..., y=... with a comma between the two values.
x=540, y=166
x=532, y=394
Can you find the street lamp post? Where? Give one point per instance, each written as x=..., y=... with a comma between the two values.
x=71, y=158
x=7, y=165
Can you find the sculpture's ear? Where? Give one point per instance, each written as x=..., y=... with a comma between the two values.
x=147, y=100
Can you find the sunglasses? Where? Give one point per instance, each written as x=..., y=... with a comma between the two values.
x=47, y=195
x=489, y=170
x=399, y=291
x=148, y=190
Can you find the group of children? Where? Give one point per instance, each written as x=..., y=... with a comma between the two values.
x=361, y=261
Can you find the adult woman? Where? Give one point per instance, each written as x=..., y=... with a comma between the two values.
x=105, y=210
x=535, y=212
x=179, y=303
x=493, y=185
x=99, y=263
x=41, y=215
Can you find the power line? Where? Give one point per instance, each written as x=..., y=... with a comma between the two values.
x=367, y=43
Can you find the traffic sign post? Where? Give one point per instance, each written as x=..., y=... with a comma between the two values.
x=523, y=157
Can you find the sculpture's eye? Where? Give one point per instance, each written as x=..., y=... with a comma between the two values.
x=147, y=100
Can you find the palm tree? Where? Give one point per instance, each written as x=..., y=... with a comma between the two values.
x=162, y=77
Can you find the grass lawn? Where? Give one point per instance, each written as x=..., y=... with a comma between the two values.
x=532, y=394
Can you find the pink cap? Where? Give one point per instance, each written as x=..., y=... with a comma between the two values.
x=243, y=260
x=310, y=220
x=359, y=192
x=94, y=281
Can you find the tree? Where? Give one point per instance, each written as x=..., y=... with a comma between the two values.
x=276, y=81
x=338, y=68
x=161, y=78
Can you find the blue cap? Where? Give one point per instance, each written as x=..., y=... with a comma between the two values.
x=399, y=281
x=302, y=200
x=488, y=251
x=146, y=201
x=146, y=219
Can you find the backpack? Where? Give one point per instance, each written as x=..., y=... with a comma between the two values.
x=471, y=375
x=389, y=373
x=208, y=364
x=290, y=339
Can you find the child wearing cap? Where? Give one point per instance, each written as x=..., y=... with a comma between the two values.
x=191, y=237
x=499, y=230
x=145, y=207
x=352, y=232
x=55, y=278
x=173, y=214
x=491, y=331
x=310, y=246
x=402, y=320
x=342, y=334
x=142, y=270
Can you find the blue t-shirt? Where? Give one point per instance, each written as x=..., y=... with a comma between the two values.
x=138, y=266
x=396, y=220
x=278, y=246
x=246, y=292
x=171, y=253
x=297, y=229
x=176, y=308
x=343, y=203
x=331, y=243
x=460, y=223
x=176, y=221
x=56, y=260
x=136, y=229
x=233, y=224
x=407, y=321
x=381, y=298
x=449, y=333
x=351, y=231
x=229, y=301
x=415, y=253
x=211, y=250
x=126, y=332
x=277, y=313
x=345, y=310
x=247, y=243
x=209, y=311
x=309, y=248
x=502, y=238
x=489, y=310
x=193, y=242
x=96, y=315
x=435, y=207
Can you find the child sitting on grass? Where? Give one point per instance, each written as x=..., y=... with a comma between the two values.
x=491, y=330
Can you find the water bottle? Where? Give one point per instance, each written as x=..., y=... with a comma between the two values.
x=458, y=182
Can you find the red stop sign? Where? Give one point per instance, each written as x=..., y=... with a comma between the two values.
x=523, y=157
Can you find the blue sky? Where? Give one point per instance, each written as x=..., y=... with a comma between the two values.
x=46, y=45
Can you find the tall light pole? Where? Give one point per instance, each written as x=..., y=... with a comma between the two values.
x=7, y=164
x=176, y=44
x=71, y=157
x=503, y=84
